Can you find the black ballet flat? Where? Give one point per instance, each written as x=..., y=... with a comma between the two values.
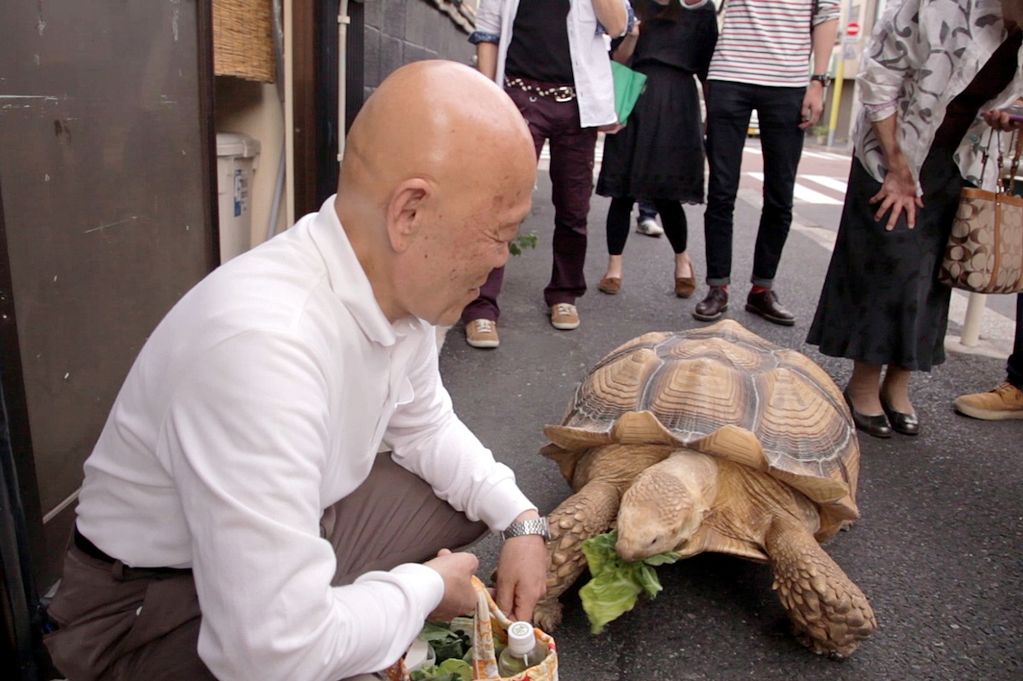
x=871, y=425
x=907, y=424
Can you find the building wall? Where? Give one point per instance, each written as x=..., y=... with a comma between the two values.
x=398, y=32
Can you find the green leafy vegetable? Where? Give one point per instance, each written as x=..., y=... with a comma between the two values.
x=616, y=584
x=446, y=644
x=448, y=670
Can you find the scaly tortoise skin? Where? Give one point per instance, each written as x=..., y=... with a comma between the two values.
x=714, y=439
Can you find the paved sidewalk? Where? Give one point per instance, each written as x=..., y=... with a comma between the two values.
x=939, y=550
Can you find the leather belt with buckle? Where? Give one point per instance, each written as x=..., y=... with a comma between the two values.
x=560, y=93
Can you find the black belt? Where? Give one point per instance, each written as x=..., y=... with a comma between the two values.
x=88, y=548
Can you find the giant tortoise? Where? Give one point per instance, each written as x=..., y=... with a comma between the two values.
x=714, y=439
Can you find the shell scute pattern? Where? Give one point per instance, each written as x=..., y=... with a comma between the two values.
x=701, y=381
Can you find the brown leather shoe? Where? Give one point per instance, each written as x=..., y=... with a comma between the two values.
x=713, y=306
x=610, y=285
x=765, y=304
x=685, y=286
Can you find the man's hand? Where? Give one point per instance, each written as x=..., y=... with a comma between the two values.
x=813, y=104
x=455, y=569
x=522, y=573
x=898, y=193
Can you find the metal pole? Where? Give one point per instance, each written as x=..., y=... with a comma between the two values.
x=974, y=317
x=836, y=96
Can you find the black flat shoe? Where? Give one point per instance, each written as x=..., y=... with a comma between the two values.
x=871, y=425
x=907, y=424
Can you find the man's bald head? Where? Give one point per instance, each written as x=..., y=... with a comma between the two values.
x=435, y=119
x=439, y=164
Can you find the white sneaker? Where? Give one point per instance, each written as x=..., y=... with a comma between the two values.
x=649, y=227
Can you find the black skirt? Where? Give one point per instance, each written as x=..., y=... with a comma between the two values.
x=882, y=302
x=659, y=153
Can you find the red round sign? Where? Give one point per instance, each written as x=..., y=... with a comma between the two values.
x=852, y=29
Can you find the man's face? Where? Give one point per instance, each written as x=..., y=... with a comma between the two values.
x=461, y=243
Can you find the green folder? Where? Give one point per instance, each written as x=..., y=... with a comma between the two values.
x=629, y=86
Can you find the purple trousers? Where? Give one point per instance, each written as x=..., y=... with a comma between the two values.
x=571, y=171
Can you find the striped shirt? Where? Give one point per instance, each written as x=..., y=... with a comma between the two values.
x=767, y=42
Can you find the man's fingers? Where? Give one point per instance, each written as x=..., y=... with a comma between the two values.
x=505, y=595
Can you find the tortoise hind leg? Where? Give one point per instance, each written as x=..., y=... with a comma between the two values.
x=830, y=613
x=585, y=514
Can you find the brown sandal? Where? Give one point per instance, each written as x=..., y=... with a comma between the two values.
x=610, y=285
x=685, y=286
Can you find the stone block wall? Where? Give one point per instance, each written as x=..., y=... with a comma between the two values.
x=398, y=32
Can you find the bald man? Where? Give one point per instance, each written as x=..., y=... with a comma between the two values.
x=236, y=521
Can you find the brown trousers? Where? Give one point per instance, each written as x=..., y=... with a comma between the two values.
x=123, y=624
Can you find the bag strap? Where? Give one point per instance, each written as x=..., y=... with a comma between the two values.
x=1014, y=167
x=995, y=137
x=489, y=623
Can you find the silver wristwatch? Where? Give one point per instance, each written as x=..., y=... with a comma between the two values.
x=528, y=527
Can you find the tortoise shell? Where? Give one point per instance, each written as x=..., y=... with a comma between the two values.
x=724, y=391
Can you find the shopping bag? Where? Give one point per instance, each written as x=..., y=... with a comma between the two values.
x=628, y=86
x=984, y=253
x=491, y=627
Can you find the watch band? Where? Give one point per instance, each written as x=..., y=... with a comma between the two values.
x=823, y=78
x=536, y=526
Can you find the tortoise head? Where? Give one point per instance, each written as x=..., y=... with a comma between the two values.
x=662, y=509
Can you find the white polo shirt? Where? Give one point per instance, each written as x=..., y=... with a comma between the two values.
x=260, y=400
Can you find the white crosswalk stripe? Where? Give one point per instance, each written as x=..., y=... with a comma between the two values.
x=805, y=194
x=830, y=182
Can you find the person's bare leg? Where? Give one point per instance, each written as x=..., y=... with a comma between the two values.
x=683, y=265
x=614, y=267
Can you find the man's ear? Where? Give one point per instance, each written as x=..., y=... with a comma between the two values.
x=403, y=212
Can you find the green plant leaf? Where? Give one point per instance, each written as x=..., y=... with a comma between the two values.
x=617, y=584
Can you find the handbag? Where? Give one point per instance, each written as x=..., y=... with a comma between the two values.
x=984, y=253
x=490, y=626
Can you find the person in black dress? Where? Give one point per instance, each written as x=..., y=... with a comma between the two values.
x=882, y=305
x=658, y=156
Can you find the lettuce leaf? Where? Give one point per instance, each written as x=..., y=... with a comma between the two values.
x=617, y=584
x=448, y=670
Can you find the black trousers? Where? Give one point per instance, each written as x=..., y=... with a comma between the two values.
x=729, y=106
x=1015, y=366
x=618, y=215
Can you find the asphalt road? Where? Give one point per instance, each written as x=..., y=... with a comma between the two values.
x=938, y=549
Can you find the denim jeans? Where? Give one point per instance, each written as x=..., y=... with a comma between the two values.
x=729, y=106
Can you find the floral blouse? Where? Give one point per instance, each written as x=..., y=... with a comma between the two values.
x=921, y=55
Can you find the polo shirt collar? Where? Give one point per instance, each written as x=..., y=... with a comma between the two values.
x=349, y=282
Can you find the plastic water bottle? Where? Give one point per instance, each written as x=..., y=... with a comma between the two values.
x=523, y=650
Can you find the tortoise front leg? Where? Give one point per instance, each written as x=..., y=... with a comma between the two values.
x=830, y=613
x=585, y=514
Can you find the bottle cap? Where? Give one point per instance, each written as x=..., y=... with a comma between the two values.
x=521, y=639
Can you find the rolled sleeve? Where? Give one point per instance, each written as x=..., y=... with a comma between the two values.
x=889, y=60
x=477, y=37
x=488, y=23
x=827, y=10
x=630, y=22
